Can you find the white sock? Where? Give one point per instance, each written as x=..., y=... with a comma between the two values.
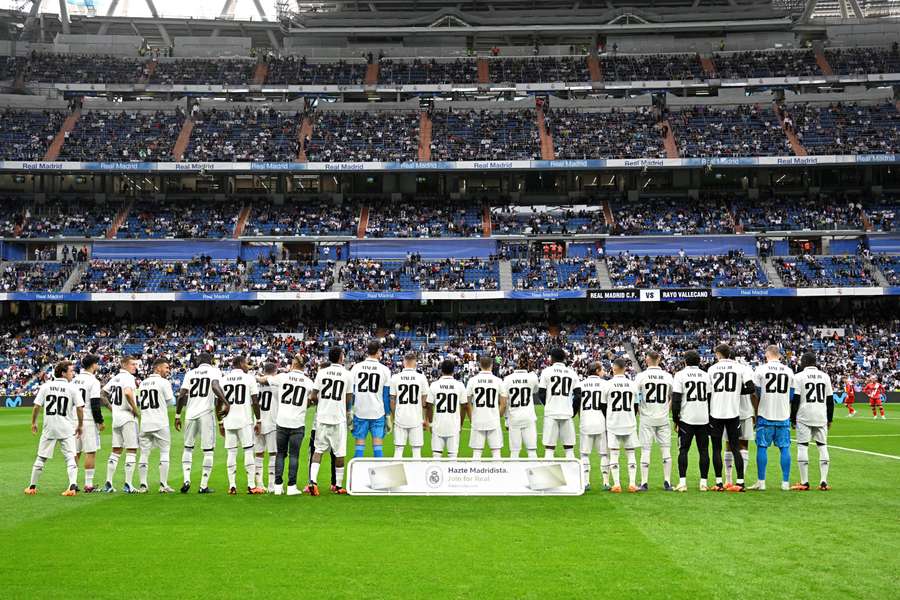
x=417, y=451
x=703, y=483
x=682, y=481
x=803, y=462
x=207, y=468
x=271, y=470
x=72, y=470
x=745, y=454
x=667, y=464
x=532, y=453
x=729, y=464
x=452, y=453
x=111, y=466
x=37, y=470
x=314, y=472
x=570, y=452
x=495, y=453
x=142, y=469
x=130, y=462
x=339, y=476
x=604, y=467
x=250, y=467
x=823, y=463
x=614, y=466
x=645, y=464
x=187, y=458
x=231, y=466
x=258, y=463
x=718, y=481
x=164, y=472
x=632, y=466
x=89, y=478
x=586, y=467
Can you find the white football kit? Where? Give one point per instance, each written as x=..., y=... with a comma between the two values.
x=654, y=388
x=88, y=387
x=332, y=384
x=813, y=388
x=200, y=418
x=370, y=378
x=560, y=383
x=124, y=421
x=60, y=402
x=621, y=425
x=592, y=421
x=154, y=397
x=483, y=392
x=775, y=382
x=520, y=388
x=446, y=395
x=268, y=409
x=239, y=388
x=409, y=389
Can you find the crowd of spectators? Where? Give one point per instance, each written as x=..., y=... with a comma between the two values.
x=84, y=68
x=731, y=270
x=758, y=64
x=195, y=71
x=564, y=274
x=484, y=135
x=863, y=61
x=424, y=219
x=547, y=220
x=427, y=71
x=364, y=136
x=539, y=69
x=889, y=266
x=261, y=134
x=667, y=215
x=290, y=276
x=34, y=276
x=201, y=274
x=651, y=67
x=27, y=134
x=293, y=70
x=61, y=217
x=614, y=134
x=123, y=136
x=169, y=219
x=303, y=217
x=824, y=271
x=743, y=130
x=414, y=273
x=795, y=213
x=882, y=215
x=844, y=128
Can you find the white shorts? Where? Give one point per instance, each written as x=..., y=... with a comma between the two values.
x=629, y=441
x=591, y=442
x=266, y=442
x=746, y=427
x=89, y=442
x=66, y=446
x=807, y=433
x=661, y=434
x=161, y=438
x=239, y=438
x=493, y=437
x=413, y=435
x=125, y=436
x=205, y=427
x=331, y=438
x=450, y=442
x=559, y=431
x=522, y=436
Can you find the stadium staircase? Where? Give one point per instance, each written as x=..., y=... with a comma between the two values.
x=822, y=61
x=74, y=276
x=260, y=73
x=151, y=69
x=771, y=272
x=363, y=222
x=425, y=128
x=669, y=141
x=241, y=222
x=866, y=221
x=60, y=139
x=594, y=67
x=709, y=67
x=629, y=349
x=506, y=278
x=372, y=74
x=608, y=214
x=880, y=279
x=184, y=138
x=120, y=218
x=338, y=284
x=603, y=274
x=305, y=132
x=487, y=226
x=547, y=152
x=484, y=71
x=796, y=146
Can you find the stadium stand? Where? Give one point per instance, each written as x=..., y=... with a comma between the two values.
x=244, y=135
x=303, y=217
x=733, y=131
x=26, y=135
x=844, y=128
x=364, y=136
x=765, y=63
x=734, y=270
x=484, y=135
x=123, y=136
x=536, y=220
x=539, y=69
x=427, y=71
x=824, y=271
x=415, y=273
x=543, y=274
x=613, y=134
x=424, y=219
x=651, y=67
x=294, y=70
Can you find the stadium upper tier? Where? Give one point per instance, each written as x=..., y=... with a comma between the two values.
x=373, y=217
x=223, y=134
x=607, y=67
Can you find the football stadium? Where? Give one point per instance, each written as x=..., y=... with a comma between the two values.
x=418, y=299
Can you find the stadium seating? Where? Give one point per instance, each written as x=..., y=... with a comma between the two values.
x=539, y=69
x=26, y=135
x=417, y=274
x=179, y=219
x=543, y=274
x=198, y=275
x=283, y=276
x=83, y=68
x=889, y=267
x=824, y=271
x=34, y=276
x=424, y=219
x=729, y=131
x=303, y=217
x=292, y=70
x=735, y=270
x=244, y=135
x=364, y=136
x=195, y=71
x=543, y=220
x=484, y=135
x=664, y=215
x=421, y=71
x=847, y=128
x=123, y=136
x=651, y=67
x=863, y=61
x=70, y=217
x=765, y=63
x=791, y=214
x=614, y=134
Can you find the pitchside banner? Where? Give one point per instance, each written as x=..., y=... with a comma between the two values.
x=465, y=477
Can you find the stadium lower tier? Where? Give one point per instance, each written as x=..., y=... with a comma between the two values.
x=847, y=348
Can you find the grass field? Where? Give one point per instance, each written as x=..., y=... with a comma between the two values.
x=839, y=544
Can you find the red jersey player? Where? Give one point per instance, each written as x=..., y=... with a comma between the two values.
x=848, y=387
x=875, y=392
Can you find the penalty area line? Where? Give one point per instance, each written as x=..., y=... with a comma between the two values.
x=891, y=456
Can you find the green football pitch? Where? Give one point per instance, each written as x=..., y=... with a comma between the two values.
x=838, y=544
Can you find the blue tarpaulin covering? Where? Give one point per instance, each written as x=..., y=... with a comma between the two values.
x=387, y=249
x=884, y=244
x=843, y=246
x=169, y=250
x=670, y=245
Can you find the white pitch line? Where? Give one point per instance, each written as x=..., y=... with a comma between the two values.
x=865, y=435
x=866, y=452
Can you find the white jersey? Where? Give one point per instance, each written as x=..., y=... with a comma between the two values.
x=483, y=392
x=60, y=401
x=814, y=389
x=268, y=404
x=775, y=382
x=560, y=382
x=239, y=388
x=447, y=395
x=370, y=380
x=592, y=420
x=694, y=386
x=115, y=387
x=332, y=383
x=292, y=399
x=520, y=388
x=746, y=410
x=655, y=395
x=88, y=387
x=154, y=397
x=620, y=398
x=408, y=388
x=198, y=383
x=729, y=386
